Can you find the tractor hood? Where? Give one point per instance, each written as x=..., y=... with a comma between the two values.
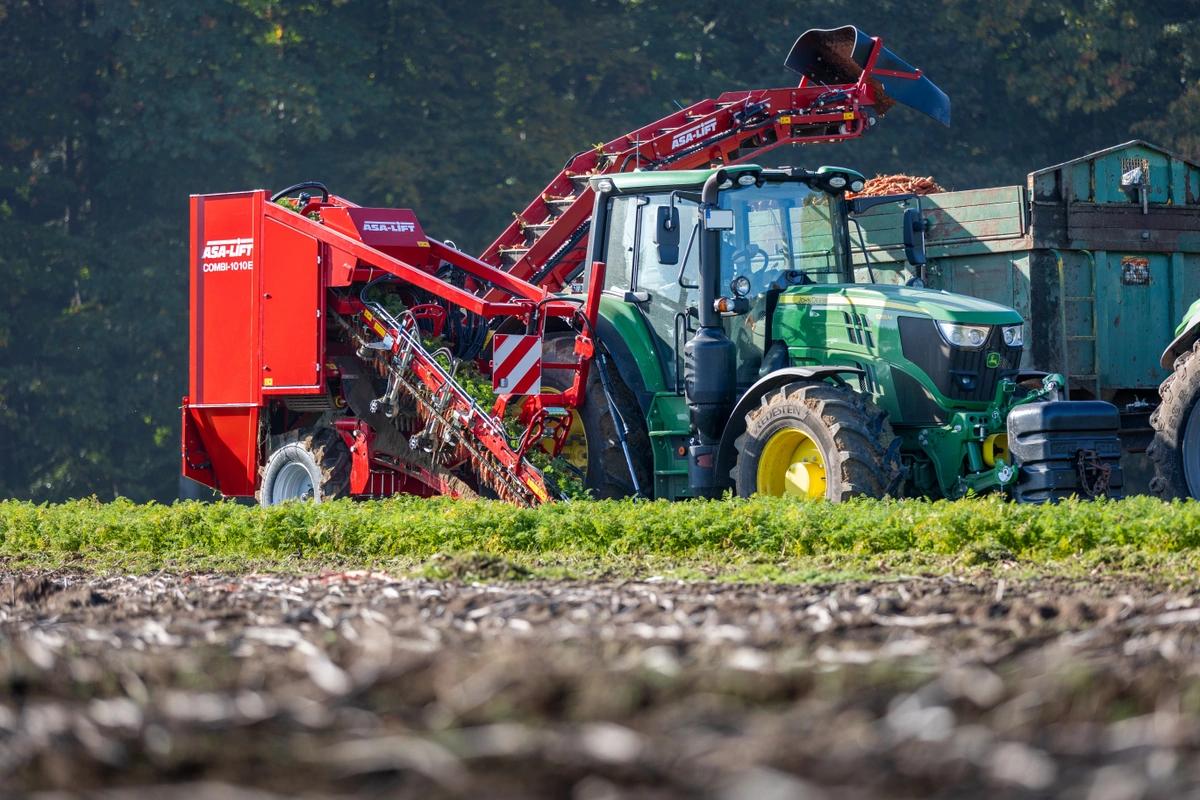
x=842, y=55
x=935, y=304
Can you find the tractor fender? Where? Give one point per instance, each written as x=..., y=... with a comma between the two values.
x=622, y=331
x=1189, y=333
x=628, y=367
x=753, y=396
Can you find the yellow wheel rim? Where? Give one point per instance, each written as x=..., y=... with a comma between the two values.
x=791, y=464
x=995, y=447
x=575, y=448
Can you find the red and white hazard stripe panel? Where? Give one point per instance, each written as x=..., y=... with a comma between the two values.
x=516, y=364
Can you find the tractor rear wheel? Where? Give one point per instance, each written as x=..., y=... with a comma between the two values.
x=1175, y=450
x=817, y=441
x=592, y=447
x=312, y=464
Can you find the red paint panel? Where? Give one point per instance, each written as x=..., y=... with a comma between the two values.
x=223, y=256
x=230, y=442
x=341, y=267
x=291, y=310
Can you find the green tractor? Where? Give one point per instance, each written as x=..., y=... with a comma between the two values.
x=1175, y=449
x=750, y=346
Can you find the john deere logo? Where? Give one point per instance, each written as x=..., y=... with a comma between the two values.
x=993, y=360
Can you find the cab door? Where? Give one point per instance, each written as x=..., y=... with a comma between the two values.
x=670, y=287
x=665, y=293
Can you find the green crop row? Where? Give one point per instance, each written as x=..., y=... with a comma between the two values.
x=762, y=528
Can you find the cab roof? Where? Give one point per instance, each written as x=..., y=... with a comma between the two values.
x=669, y=179
x=695, y=178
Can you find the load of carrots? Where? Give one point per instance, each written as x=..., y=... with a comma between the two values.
x=898, y=184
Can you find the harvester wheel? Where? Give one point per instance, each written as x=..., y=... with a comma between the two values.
x=817, y=441
x=607, y=472
x=1175, y=450
x=312, y=464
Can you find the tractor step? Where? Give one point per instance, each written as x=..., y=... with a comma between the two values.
x=534, y=232
x=558, y=205
x=511, y=255
x=581, y=180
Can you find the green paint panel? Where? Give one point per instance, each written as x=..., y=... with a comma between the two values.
x=1096, y=177
x=670, y=429
x=1135, y=314
x=952, y=217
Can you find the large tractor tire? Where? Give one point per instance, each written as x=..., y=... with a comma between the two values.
x=593, y=447
x=817, y=441
x=1175, y=450
x=311, y=464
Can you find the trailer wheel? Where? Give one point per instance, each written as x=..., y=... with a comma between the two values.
x=1175, y=449
x=306, y=465
x=817, y=441
x=607, y=472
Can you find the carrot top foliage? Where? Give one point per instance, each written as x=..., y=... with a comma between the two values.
x=763, y=529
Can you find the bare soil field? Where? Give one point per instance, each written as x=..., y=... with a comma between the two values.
x=360, y=684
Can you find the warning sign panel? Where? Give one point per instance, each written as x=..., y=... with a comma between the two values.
x=516, y=364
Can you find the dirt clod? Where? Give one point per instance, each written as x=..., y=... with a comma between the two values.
x=361, y=684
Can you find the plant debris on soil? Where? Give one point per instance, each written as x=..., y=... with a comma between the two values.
x=361, y=684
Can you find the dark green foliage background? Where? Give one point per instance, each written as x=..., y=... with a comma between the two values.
x=112, y=112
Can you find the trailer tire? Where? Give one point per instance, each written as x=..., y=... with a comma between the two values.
x=607, y=474
x=309, y=464
x=817, y=441
x=1175, y=449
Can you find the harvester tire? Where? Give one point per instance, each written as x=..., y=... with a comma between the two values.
x=817, y=441
x=310, y=464
x=607, y=474
x=1175, y=449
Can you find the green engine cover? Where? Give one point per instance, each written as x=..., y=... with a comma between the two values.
x=863, y=326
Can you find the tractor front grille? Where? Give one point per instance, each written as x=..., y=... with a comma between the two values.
x=959, y=374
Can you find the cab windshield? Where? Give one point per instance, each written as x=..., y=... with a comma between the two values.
x=784, y=233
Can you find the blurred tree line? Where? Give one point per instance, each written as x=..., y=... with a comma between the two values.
x=113, y=111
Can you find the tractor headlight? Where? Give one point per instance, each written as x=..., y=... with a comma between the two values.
x=857, y=185
x=969, y=337
x=837, y=182
x=1014, y=335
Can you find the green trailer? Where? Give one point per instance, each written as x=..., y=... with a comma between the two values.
x=1100, y=255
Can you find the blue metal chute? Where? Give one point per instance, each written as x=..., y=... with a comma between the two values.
x=839, y=56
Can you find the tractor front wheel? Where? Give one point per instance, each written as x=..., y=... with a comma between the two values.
x=309, y=464
x=816, y=441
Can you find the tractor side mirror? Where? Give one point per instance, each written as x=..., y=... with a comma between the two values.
x=914, y=237
x=666, y=234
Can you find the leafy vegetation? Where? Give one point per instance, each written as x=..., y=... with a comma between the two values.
x=112, y=113
x=763, y=537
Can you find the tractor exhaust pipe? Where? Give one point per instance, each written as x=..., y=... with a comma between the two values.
x=846, y=55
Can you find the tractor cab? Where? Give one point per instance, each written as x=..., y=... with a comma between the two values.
x=769, y=237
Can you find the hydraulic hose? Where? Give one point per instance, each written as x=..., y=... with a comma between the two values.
x=322, y=188
x=618, y=420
